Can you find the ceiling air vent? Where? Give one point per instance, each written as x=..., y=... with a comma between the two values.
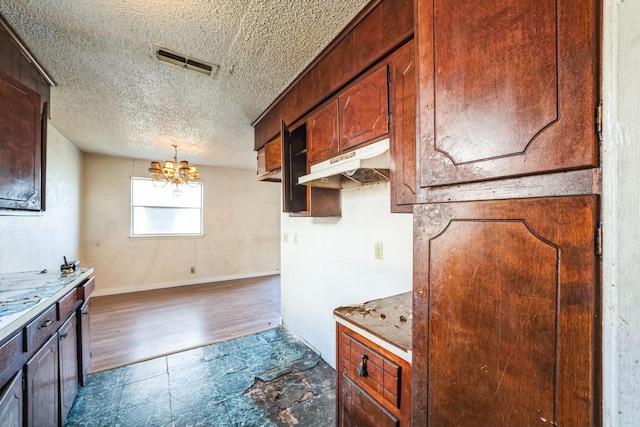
x=184, y=61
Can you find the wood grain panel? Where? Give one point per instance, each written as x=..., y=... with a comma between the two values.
x=507, y=88
x=364, y=110
x=402, y=161
x=322, y=133
x=505, y=312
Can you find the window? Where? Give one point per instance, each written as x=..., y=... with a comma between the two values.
x=157, y=211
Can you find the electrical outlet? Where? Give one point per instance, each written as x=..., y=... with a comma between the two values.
x=193, y=270
x=285, y=237
x=378, y=250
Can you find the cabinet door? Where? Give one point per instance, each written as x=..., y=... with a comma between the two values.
x=360, y=409
x=403, y=144
x=273, y=154
x=504, y=313
x=11, y=403
x=322, y=133
x=507, y=88
x=363, y=111
x=41, y=397
x=68, y=351
x=84, y=335
x=21, y=146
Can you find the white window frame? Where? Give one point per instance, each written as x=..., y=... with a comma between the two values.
x=168, y=188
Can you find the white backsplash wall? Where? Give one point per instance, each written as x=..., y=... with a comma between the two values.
x=33, y=242
x=329, y=262
x=241, y=230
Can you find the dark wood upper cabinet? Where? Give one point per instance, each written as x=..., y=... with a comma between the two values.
x=381, y=27
x=403, y=127
x=297, y=199
x=322, y=133
x=507, y=88
x=505, y=313
x=24, y=98
x=20, y=146
x=364, y=110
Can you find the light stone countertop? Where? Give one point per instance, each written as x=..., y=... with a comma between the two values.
x=25, y=295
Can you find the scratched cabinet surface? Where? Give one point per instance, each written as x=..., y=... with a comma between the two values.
x=507, y=88
x=505, y=313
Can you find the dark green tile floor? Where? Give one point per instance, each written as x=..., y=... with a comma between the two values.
x=266, y=379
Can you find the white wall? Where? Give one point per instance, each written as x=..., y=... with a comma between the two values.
x=241, y=230
x=30, y=242
x=621, y=204
x=333, y=264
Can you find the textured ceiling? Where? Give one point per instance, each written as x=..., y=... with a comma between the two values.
x=114, y=97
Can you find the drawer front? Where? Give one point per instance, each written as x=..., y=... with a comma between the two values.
x=383, y=376
x=360, y=409
x=67, y=304
x=11, y=358
x=87, y=289
x=41, y=328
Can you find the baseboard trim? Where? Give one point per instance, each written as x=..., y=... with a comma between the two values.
x=199, y=281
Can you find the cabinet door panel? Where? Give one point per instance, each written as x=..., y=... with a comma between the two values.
x=322, y=133
x=68, y=352
x=504, y=312
x=507, y=88
x=403, y=144
x=20, y=142
x=11, y=403
x=42, y=386
x=84, y=335
x=364, y=110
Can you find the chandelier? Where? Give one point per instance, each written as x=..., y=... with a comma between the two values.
x=174, y=172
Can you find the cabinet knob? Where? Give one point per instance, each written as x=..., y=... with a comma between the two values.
x=362, y=369
x=46, y=324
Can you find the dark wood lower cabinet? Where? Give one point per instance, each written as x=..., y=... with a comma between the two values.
x=41, y=394
x=84, y=335
x=11, y=404
x=505, y=313
x=68, y=347
x=373, y=385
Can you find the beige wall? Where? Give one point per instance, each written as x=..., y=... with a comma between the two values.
x=241, y=230
x=30, y=242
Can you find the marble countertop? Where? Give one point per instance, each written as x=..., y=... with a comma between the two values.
x=385, y=321
x=25, y=295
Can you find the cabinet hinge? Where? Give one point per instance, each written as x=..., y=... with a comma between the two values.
x=599, y=240
x=388, y=76
x=390, y=118
x=599, y=121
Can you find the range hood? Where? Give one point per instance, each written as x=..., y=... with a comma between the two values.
x=365, y=165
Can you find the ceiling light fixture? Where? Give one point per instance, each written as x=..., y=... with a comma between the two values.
x=174, y=172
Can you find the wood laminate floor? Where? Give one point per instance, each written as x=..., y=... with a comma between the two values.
x=129, y=328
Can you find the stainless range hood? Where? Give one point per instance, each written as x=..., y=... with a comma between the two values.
x=365, y=165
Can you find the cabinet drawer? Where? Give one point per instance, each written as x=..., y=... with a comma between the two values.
x=383, y=376
x=11, y=358
x=67, y=304
x=41, y=328
x=87, y=289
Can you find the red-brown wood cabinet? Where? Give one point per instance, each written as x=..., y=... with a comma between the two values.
x=506, y=267
x=24, y=98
